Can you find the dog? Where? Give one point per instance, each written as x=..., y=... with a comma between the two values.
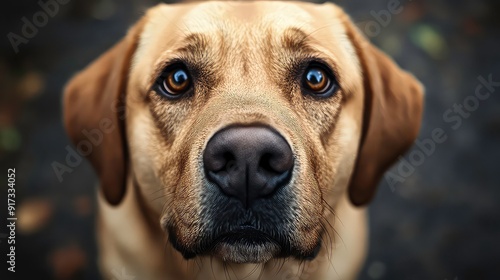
x=240, y=140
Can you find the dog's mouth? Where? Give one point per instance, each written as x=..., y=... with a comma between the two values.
x=245, y=244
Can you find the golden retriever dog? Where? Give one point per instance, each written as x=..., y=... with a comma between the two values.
x=240, y=140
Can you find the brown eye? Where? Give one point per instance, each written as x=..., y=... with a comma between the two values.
x=316, y=79
x=176, y=82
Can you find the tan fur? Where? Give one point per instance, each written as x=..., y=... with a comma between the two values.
x=149, y=163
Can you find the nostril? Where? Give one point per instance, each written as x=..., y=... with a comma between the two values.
x=225, y=161
x=265, y=163
x=231, y=165
x=276, y=163
x=229, y=162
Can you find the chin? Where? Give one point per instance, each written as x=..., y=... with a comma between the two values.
x=246, y=245
x=246, y=252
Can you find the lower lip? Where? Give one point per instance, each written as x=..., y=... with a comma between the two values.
x=245, y=235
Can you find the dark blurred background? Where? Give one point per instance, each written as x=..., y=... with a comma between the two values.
x=438, y=220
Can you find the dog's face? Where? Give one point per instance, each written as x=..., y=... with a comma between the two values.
x=242, y=124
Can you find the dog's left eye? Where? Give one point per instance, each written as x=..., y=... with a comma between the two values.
x=318, y=81
x=175, y=81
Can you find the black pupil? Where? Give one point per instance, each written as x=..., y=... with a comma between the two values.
x=314, y=76
x=180, y=77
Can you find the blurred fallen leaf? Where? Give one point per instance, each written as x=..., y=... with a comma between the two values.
x=30, y=85
x=471, y=27
x=414, y=11
x=429, y=40
x=68, y=262
x=33, y=214
x=8, y=112
x=10, y=140
x=83, y=205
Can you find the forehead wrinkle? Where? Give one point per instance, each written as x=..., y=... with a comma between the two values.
x=295, y=40
x=226, y=44
x=295, y=45
x=192, y=48
x=195, y=44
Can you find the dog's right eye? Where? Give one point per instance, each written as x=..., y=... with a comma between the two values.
x=174, y=82
x=319, y=81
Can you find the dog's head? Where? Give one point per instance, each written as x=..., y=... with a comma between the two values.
x=242, y=124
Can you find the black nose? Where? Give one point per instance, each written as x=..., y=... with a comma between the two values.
x=248, y=162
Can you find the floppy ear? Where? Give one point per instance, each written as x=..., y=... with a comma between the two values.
x=94, y=114
x=392, y=115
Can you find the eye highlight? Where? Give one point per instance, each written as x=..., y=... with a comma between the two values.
x=318, y=81
x=175, y=81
